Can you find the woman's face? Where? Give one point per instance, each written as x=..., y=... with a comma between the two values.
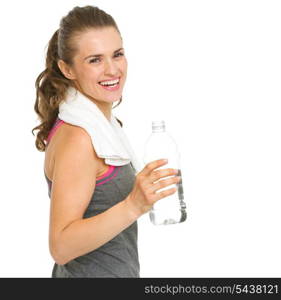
x=99, y=57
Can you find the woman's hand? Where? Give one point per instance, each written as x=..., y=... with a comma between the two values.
x=143, y=194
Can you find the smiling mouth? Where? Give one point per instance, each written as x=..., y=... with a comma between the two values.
x=110, y=83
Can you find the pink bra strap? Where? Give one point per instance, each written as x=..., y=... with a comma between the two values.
x=51, y=133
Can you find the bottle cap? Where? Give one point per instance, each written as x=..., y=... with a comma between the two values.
x=158, y=125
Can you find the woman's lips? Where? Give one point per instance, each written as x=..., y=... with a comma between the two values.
x=111, y=88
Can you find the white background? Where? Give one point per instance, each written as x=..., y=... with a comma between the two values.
x=212, y=71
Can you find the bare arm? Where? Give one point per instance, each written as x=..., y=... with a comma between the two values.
x=74, y=178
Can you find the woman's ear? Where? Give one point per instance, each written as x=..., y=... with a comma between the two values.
x=66, y=70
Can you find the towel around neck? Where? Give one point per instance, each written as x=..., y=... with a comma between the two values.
x=108, y=137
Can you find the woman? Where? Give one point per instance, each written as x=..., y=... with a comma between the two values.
x=93, y=215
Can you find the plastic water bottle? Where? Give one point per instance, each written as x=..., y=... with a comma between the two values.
x=161, y=145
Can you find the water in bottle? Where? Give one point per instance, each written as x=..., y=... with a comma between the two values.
x=161, y=145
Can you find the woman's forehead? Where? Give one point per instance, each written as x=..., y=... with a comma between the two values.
x=99, y=41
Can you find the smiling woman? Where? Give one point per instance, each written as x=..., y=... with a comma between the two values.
x=85, y=53
x=99, y=76
x=96, y=198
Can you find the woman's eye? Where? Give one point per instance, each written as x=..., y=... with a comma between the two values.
x=94, y=60
x=119, y=54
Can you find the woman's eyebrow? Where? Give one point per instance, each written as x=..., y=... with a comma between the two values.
x=98, y=55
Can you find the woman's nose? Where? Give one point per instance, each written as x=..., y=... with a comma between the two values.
x=110, y=67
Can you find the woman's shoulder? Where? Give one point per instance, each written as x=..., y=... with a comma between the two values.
x=71, y=138
x=73, y=133
x=70, y=144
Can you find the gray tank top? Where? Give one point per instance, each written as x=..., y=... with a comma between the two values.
x=119, y=256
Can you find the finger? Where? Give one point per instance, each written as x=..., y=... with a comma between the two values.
x=164, y=194
x=156, y=175
x=164, y=183
x=154, y=165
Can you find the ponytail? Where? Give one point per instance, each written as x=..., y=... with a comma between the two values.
x=51, y=86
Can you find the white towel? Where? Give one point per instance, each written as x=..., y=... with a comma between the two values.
x=108, y=138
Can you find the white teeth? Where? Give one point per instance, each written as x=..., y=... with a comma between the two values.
x=111, y=82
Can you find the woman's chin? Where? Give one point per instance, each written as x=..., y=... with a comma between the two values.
x=112, y=99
